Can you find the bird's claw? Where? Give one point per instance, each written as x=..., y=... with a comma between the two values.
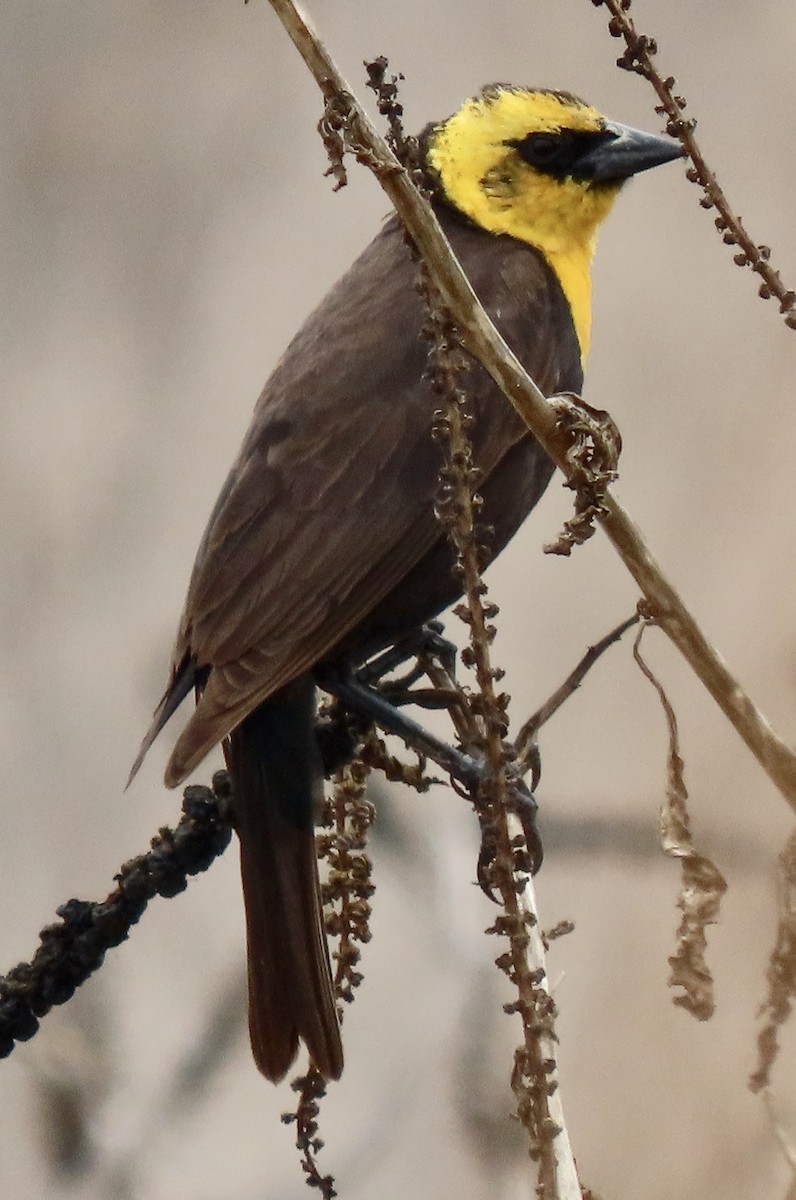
x=527, y=858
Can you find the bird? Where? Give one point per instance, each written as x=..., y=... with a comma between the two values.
x=323, y=546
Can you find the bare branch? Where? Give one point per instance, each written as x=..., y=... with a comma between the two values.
x=566, y=1177
x=785, y=1140
x=526, y=738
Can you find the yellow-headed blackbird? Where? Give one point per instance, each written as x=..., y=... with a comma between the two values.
x=323, y=544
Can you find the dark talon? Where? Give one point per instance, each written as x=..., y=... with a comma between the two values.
x=429, y=697
x=436, y=645
x=486, y=857
x=375, y=669
x=398, y=690
x=534, y=759
x=338, y=739
x=523, y=804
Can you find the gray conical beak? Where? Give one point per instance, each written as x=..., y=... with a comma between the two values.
x=625, y=152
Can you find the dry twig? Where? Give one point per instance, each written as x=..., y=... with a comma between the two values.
x=346, y=895
x=702, y=885
x=484, y=712
x=638, y=58
x=594, y=446
x=525, y=741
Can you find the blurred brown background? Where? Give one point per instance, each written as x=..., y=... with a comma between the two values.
x=165, y=228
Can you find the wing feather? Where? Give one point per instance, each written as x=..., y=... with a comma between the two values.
x=330, y=502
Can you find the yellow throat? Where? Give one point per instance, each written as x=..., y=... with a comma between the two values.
x=482, y=174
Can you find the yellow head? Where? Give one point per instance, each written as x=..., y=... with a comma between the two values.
x=543, y=167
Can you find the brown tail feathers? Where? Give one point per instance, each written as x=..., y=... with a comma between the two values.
x=275, y=766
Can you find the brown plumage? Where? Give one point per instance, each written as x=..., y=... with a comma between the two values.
x=345, y=419
x=324, y=539
x=323, y=544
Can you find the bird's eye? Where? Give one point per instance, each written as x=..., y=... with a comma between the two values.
x=547, y=152
x=541, y=148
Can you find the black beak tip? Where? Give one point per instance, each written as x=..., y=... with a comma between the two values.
x=628, y=152
x=650, y=150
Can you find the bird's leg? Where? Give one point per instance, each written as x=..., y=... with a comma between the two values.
x=423, y=643
x=428, y=648
x=367, y=702
x=365, y=693
x=435, y=645
x=340, y=730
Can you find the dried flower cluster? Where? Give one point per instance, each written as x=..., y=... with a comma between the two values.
x=346, y=896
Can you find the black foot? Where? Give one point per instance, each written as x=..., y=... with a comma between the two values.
x=339, y=737
x=366, y=698
x=370, y=704
x=425, y=642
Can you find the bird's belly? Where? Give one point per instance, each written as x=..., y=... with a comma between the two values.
x=509, y=494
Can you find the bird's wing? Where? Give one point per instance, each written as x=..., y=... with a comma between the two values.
x=338, y=472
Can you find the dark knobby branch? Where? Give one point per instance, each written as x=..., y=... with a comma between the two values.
x=73, y=949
